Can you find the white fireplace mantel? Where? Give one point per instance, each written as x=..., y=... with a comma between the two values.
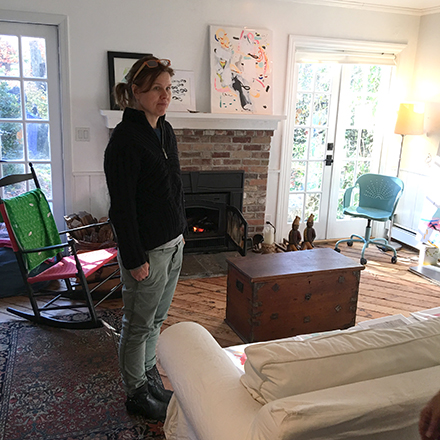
x=208, y=121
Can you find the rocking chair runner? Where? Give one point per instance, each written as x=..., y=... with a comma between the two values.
x=35, y=240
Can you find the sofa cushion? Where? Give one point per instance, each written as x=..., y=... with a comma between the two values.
x=386, y=408
x=278, y=369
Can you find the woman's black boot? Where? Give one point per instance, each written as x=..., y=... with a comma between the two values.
x=145, y=404
x=155, y=385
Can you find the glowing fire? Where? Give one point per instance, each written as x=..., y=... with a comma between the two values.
x=196, y=229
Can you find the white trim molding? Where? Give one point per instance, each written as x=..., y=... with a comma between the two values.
x=373, y=5
x=208, y=121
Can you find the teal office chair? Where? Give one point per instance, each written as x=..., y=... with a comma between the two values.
x=378, y=197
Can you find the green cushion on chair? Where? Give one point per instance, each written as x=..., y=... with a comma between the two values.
x=33, y=225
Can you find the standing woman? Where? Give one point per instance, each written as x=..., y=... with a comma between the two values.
x=147, y=210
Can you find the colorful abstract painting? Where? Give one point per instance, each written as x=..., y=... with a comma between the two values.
x=241, y=64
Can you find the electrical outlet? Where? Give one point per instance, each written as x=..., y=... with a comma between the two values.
x=82, y=134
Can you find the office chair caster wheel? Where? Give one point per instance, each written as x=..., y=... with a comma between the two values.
x=394, y=260
x=363, y=261
x=338, y=250
x=349, y=243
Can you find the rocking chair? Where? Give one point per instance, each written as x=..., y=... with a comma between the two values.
x=39, y=251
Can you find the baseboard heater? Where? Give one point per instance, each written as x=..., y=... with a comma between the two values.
x=405, y=236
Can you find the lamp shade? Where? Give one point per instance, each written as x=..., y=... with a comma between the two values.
x=410, y=119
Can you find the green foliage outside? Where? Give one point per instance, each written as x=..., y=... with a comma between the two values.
x=11, y=133
x=36, y=106
x=8, y=56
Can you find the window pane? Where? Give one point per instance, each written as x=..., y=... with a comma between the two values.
x=295, y=206
x=305, y=77
x=320, y=110
x=314, y=176
x=317, y=144
x=38, y=141
x=366, y=146
x=36, y=99
x=300, y=140
x=356, y=80
x=312, y=205
x=357, y=111
x=323, y=78
x=350, y=142
x=347, y=175
x=44, y=174
x=303, y=105
x=298, y=176
x=9, y=65
x=372, y=103
x=34, y=57
x=11, y=141
x=363, y=168
x=17, y=188
x=340, y=209
x=10, y=100
x=374, y=77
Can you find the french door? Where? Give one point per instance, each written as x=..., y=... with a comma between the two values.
x=336, y=135
x=30, y=109
x=363, y=104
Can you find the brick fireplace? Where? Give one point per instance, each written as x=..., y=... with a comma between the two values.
x=234, y=142
x=218, y=149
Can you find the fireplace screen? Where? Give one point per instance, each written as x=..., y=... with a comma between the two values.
x=237, y=228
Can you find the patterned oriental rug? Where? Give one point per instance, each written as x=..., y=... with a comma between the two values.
x=65, y=385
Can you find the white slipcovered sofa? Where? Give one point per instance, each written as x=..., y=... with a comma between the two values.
x=367, y=384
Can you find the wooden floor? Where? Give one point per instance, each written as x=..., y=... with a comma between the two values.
x=385, y=289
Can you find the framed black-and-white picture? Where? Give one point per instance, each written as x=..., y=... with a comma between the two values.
x=119, y=63
x=183, y=92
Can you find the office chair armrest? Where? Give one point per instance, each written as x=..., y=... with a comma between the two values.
x=395, y=205
x=347, y=196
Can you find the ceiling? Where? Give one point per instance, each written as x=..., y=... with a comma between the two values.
x=415, y=7
x=416, y=4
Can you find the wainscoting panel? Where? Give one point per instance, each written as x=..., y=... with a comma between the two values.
x=90, y=193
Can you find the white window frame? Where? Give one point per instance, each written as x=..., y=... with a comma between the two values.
x=60, y=21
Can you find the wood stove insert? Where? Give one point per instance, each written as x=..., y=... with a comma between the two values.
x=213, y=203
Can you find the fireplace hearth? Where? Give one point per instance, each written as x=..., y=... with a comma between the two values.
x=213, y=202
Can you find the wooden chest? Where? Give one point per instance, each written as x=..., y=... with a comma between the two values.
x=285, y=294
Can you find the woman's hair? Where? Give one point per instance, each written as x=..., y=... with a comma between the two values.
x=144, y=79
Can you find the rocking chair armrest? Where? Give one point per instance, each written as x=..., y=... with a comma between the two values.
x=46, y=248
x=80, y=228
x=347, y=196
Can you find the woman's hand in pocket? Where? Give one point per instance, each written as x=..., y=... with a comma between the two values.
x=141, y=272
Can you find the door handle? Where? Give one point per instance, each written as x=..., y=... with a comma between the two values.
x=328, y=160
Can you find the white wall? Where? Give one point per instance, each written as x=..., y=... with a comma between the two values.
x=427, y=78
x=178, y=29
x=419, y=152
